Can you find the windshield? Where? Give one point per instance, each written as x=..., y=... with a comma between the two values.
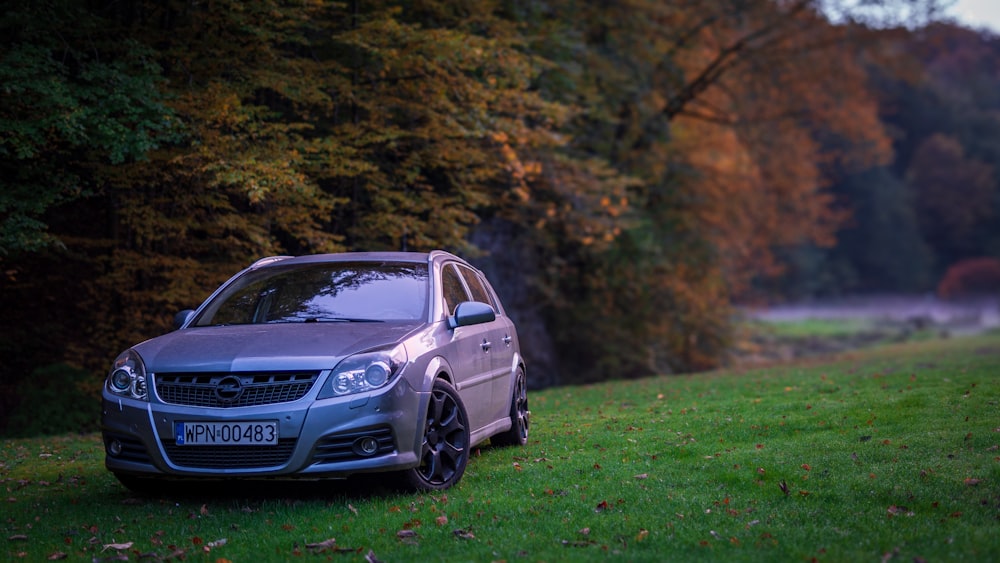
x=327, y=292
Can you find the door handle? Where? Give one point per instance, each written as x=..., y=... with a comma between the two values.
x=506, y=339
x=487, y=345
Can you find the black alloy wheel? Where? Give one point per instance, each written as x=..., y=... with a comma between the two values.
x=445, y=450
x=519, y=416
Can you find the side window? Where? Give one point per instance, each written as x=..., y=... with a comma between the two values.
x=451, y=286
x=479, y=292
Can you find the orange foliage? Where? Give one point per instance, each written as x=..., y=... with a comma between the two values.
x=955, y=192
x=751, y=138
x=974, y=275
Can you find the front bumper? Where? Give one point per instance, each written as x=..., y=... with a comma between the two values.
x=317, y=439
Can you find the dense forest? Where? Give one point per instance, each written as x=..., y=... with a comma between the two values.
x=624, y=171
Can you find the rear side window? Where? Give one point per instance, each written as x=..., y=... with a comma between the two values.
x=451, y=286
x=479, y=292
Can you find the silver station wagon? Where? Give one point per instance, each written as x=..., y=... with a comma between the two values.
x=321, y=367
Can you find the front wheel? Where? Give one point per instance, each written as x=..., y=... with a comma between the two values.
x=445, y=450
x=519, y=415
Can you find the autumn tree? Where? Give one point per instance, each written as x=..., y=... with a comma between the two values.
x=731, y=121
x=955, y=194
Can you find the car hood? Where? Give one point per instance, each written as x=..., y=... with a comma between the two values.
x=298, y=346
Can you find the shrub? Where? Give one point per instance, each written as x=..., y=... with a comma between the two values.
x=55, y=399
x=971, y=276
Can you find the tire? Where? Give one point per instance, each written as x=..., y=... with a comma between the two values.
x=445, y=448
x=519, y=416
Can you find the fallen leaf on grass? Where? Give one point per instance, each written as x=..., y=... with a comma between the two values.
x=18, y=537
x=894, y=510
x=406, y=534
x=643, y=534
x=783, y=486
x=578, y=543
x=601, y=506
x=972, y=482
x=642, y=476
x=441, y=520
x=464, y=534
x=57, y=556
x=117, y=546
x=320, y=547
x=370, y=557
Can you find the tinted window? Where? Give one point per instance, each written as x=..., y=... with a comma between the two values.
x=451, y=286
x=476, y=287
x=318, y=292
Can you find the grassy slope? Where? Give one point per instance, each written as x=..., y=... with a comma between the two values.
x=888, y=451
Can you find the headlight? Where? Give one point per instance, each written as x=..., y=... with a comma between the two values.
x=364, y=372
x=128, y=376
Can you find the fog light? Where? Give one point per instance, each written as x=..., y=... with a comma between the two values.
x=115, y=448
x=368, y=445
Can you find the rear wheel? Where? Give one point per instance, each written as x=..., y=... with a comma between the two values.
x=519, y=415
x=445, y=449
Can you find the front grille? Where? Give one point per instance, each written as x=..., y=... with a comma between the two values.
x=230, y=457
x=341, y=447
x=228, y=390
x=132, y=448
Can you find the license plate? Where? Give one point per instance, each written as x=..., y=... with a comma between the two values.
x=226, y=433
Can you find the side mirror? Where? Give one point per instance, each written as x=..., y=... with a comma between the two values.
x=471, y=313
x=180, y=319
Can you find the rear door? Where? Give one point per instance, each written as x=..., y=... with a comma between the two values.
x=499, y=335
x=472, y=362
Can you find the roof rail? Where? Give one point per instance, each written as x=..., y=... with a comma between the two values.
x=268, y=260
x=435, y=253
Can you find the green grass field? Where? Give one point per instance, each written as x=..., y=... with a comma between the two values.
x=887, y=453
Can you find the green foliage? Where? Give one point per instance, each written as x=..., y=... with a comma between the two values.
x=889, y=453
x=55, y=399
x=74, y=96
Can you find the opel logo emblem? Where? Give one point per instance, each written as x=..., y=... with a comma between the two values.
x=229, y=389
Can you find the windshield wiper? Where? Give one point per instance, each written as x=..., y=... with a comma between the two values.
x=342, y=320
x=325, y=320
